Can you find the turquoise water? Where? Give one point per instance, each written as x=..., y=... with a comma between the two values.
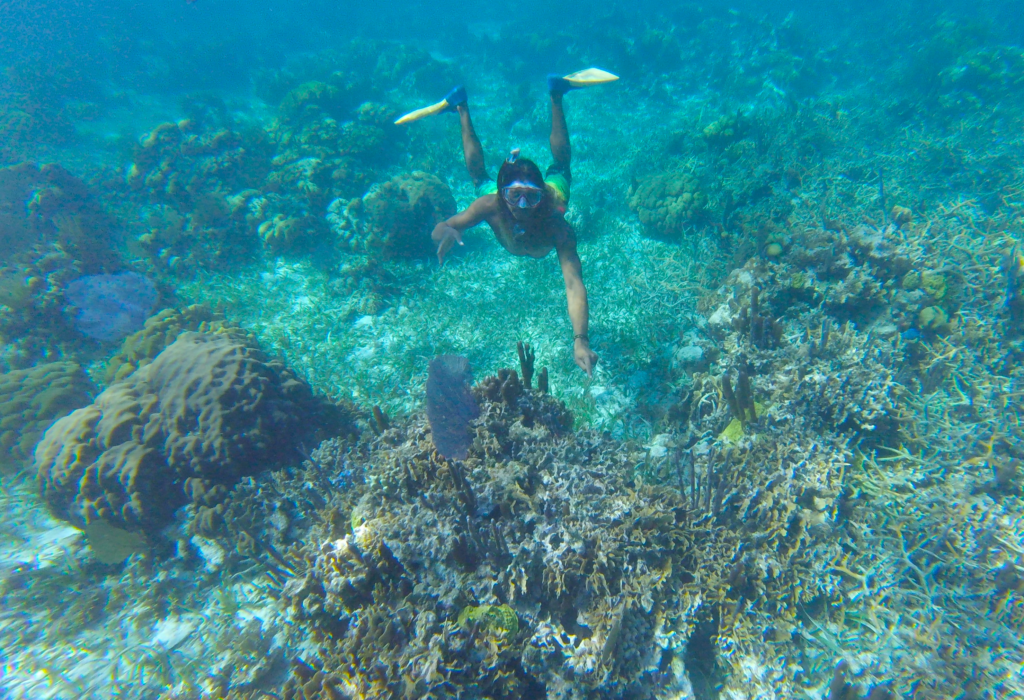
x=761, y=435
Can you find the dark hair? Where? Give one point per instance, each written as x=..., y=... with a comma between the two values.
x=523, y=169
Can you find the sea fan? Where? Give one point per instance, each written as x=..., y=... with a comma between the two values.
x=450, y=405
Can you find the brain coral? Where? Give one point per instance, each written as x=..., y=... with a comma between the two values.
x=393, y=219
x=208, y=406
x=30, y=399
x=159, y=331
x=667, y=203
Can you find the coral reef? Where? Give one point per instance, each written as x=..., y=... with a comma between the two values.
x=196, y=178
x=336, y=80
x=541, y=573
x=544, y=562
x=208, y=407
x=812, y=405
x=52, y=231
x=394, y=219
x=843, y=360
x=988, y=73
x=30, y=400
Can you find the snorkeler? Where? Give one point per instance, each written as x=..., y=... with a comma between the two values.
x=525, y=209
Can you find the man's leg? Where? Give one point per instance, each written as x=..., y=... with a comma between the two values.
x=471, y=148
x=560, y=149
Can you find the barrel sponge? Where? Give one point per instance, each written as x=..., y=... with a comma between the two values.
x=208, y=406
x=30, y=400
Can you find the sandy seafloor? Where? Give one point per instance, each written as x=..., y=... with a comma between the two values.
x=862, y=171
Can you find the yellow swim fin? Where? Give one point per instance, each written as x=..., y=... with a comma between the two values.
x=423, y=112
x=589, y=76
x=455, y=97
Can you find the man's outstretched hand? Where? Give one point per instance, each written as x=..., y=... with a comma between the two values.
x=584, y=356
x=445, y=236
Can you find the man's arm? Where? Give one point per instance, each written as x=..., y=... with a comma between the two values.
x=448, y=233
x=576, y=296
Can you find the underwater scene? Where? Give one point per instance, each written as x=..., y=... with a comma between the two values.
x=546, y=350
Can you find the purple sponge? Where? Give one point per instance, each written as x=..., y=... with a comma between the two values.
x=109, y=307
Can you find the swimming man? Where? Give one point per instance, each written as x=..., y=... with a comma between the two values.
x=525, y=209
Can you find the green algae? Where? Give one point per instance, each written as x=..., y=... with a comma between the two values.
x=498, y=620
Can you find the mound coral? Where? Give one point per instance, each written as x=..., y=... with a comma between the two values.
x=31, y=399
x=667, y=204
x=159, y=331
x=725, y=131
x=394, y=219
x=209, y=407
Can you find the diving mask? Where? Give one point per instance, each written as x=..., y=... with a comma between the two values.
x=522, y=195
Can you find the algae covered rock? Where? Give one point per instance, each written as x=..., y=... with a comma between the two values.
x=394, y=219
x=31, y=399
x=208, y=406
x=667, y=204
